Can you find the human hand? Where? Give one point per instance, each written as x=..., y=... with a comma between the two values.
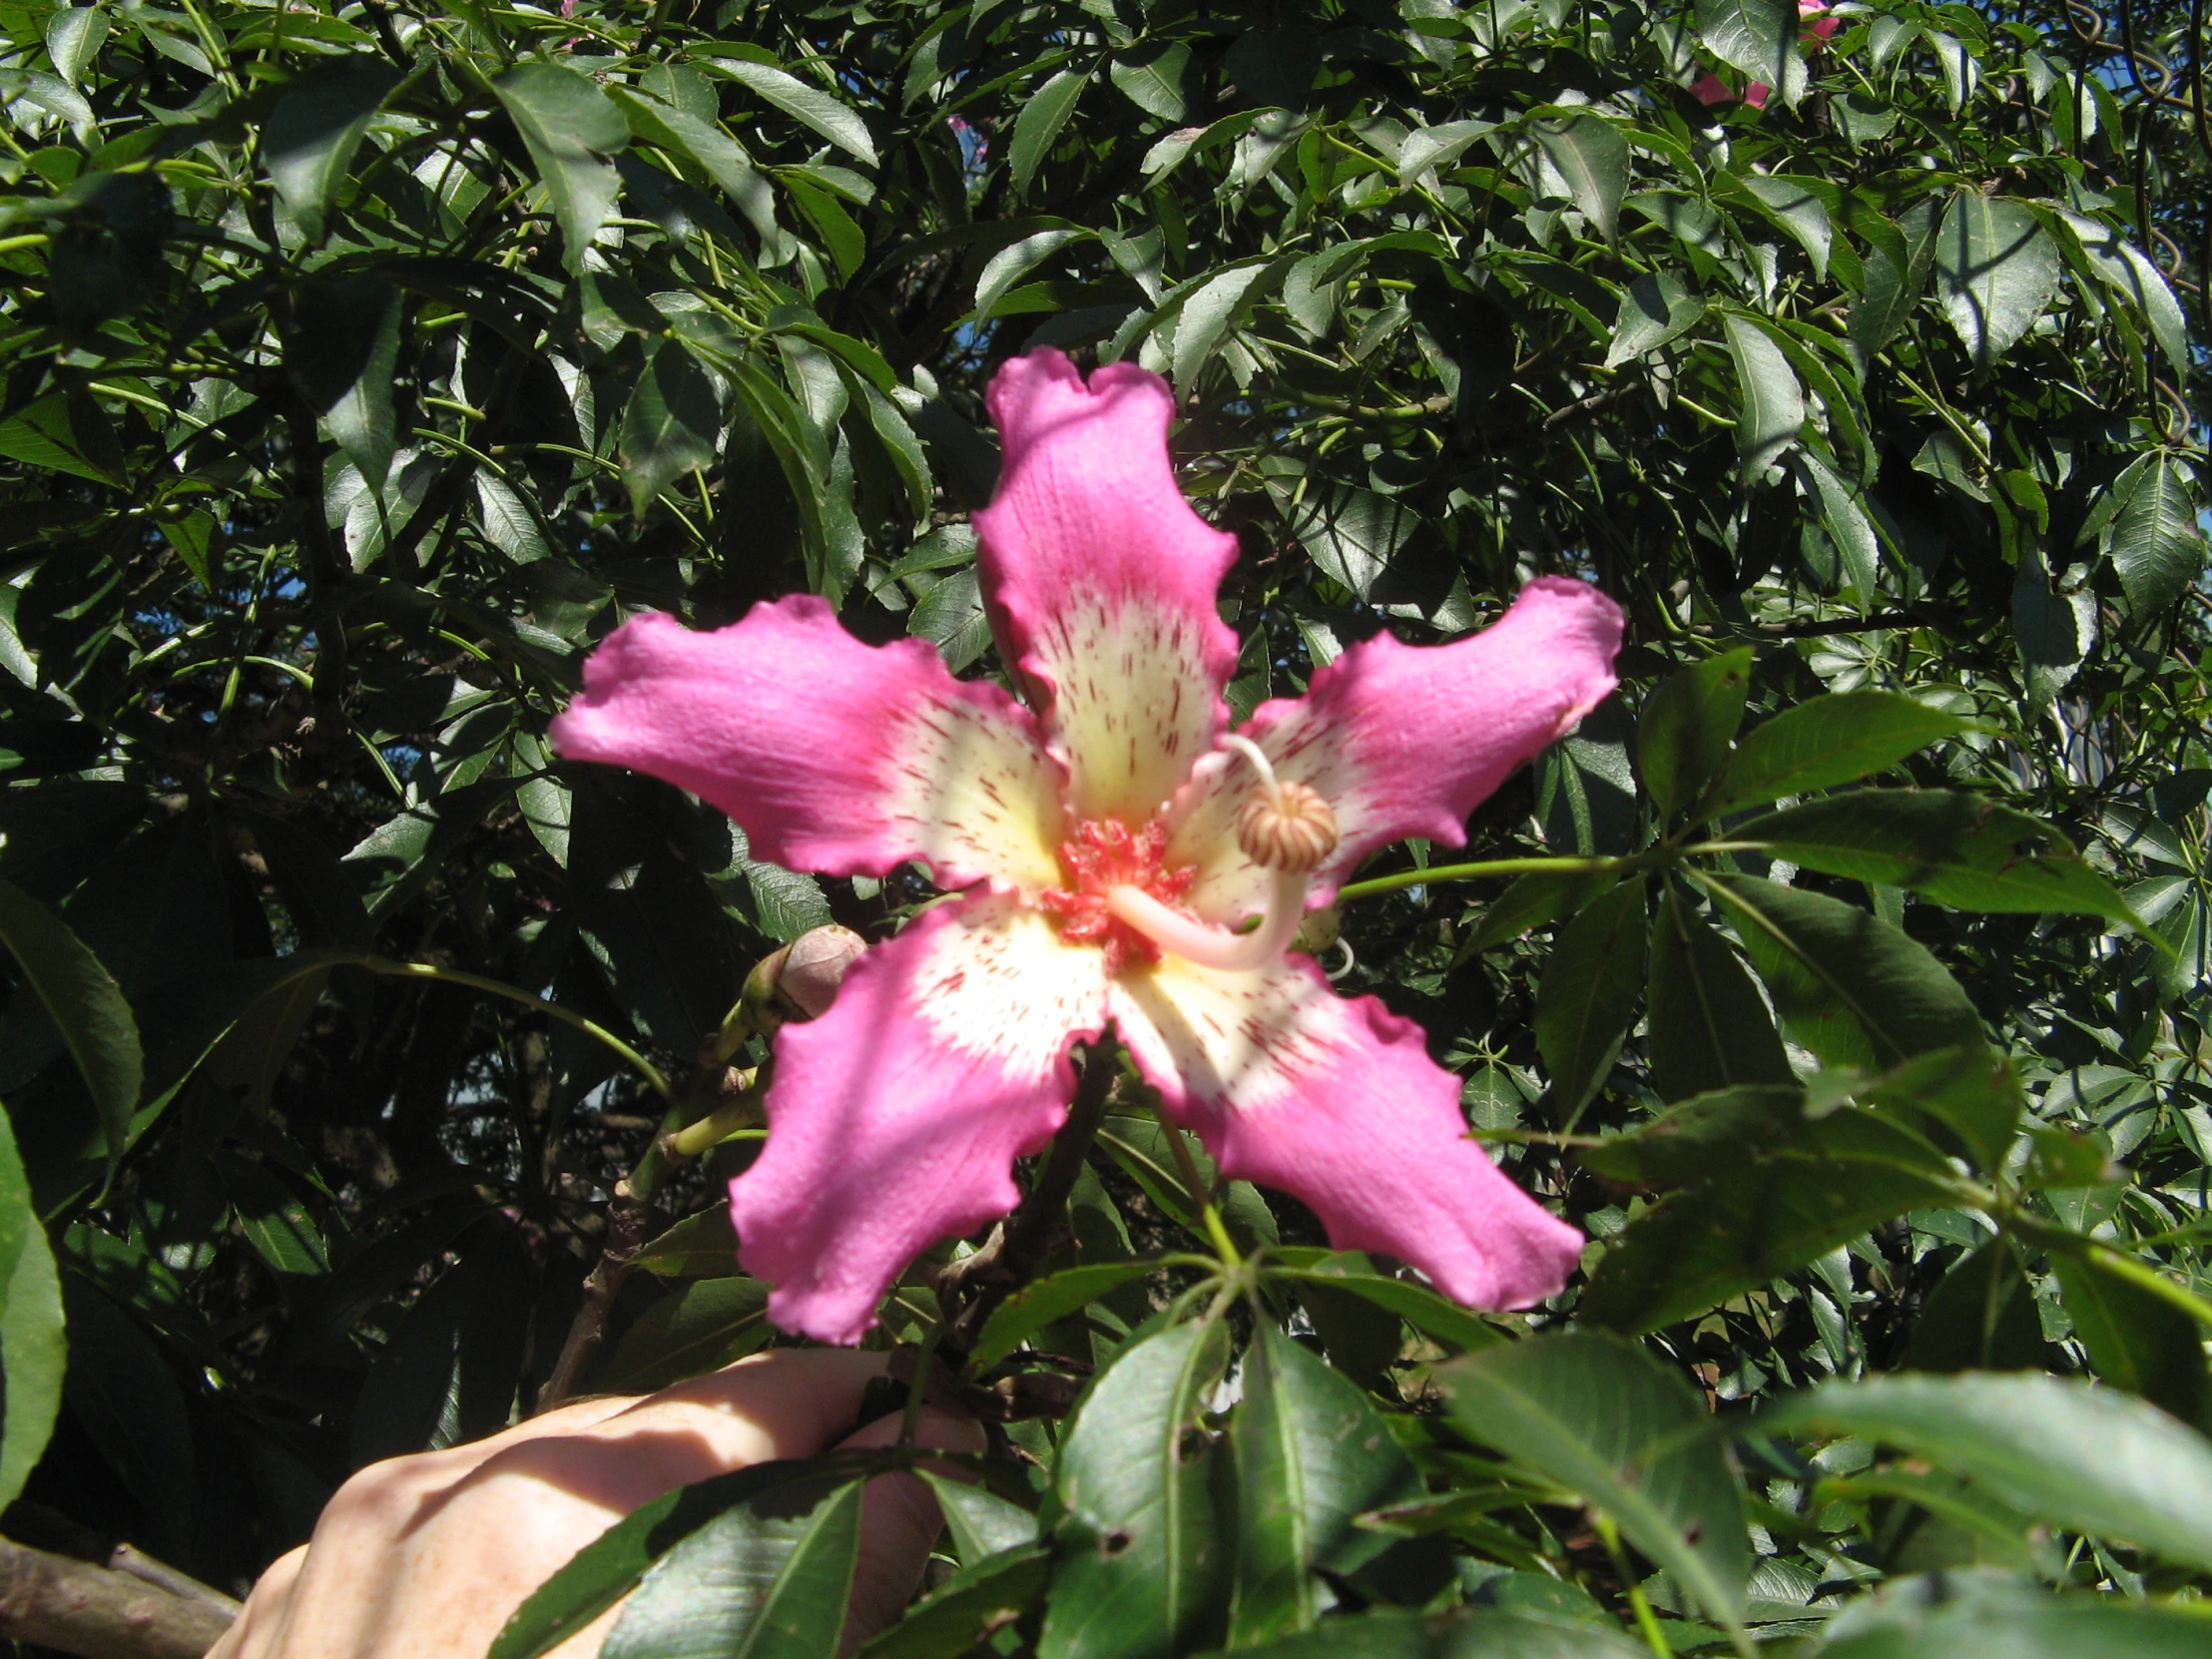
x=426, y=1557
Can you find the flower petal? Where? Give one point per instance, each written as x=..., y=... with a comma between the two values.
x=1335, y=1101
x=835, y=756
x=1403, y=740
x=896, y=1118
x=1101, y=581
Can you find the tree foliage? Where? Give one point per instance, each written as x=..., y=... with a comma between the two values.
x=1845, y=976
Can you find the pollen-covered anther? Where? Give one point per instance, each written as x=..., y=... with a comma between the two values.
x=1287, y=826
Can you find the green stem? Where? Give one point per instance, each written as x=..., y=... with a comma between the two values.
x=1202, y=1200
x=1380, y=884
x=732, y=1118
x=1647, y=1621
x=514, y=993
x=917, y=1386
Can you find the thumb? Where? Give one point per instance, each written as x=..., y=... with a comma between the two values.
x=900, y=1521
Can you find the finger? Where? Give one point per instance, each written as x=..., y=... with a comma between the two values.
x=900, y=1521
x=267, y=1606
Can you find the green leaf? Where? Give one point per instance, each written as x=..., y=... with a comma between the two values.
x=1758, y=37
x=1844, y=518
x=704, y=1246
x=63, y=432
x=1958, y=850
x=1849, y=988
x=1772, y=403
x=86, y=1005
x=669, y=426
x=1606, y=1420
x=309, y=139
x=1139, y=1556
x=1532, y=900
x=448, y=1372
x=33, y=1348
x=2085, y=1458
x=73, y=36
x=1823, y=1186
x=983, y=1523
x=344, y=356
x=1971, y=1091
x=1039, y=123
x=1992, y=1616
x=2136, y=1340
x=2129, y=271
x=1655, y=308
x=960, y=1615
x=701, y=1326
x=1311, y=1455
x=1979, y=1316
x=1709, y=1027
x=1459, y=1633
x=1792, y=204
x=1015, y=261
x=1838, y=739
x=125, y=1397
x=1427, y=148
x=608, y=1567
x=1158, y=80
x=1996, y=267
x=1588, y=994
x=1688, y=723
x=2156, y=545
x=1051, y=1299
x=1417, y=1305
x=951, y=617
x=808, y=104
x=569, y=127
x=1591, y=154
x=1705, y=1137
x=766, y=1579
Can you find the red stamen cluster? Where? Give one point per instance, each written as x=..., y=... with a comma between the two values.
x=1101, y=855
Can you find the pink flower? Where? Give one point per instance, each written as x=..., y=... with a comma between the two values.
x=1109, y=838
x=1710, y=89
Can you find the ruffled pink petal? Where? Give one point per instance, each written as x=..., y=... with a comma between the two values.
x=1101, y=581
x=834, y=755
x=1403, y=740
x=1336, y=1101
x=896, y=1118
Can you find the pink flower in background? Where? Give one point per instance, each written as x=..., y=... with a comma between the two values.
x=1112, y=844
x=1710, y=89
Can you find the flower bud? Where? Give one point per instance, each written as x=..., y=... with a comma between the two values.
x=813, y=966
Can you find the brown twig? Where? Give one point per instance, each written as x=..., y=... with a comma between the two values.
x=626, y=1219
x=106, y=1612
x=970, y=1290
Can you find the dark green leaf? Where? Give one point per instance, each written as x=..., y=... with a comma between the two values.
x=1996, y=267
x=86, y=1005
x=1687, y=726
x=309, y=137
x=1591, y=155
x=1655, y=308
x=1849, y=988
x=570, y=127
x=63, y=432
x=1588, y=995
x=1158, y=80
x=1139, y=1555
x=668, y=427
x=448, y=1372
x=2136, y=1341
x=700, y=1326
x=957, y=1616
x=125, y=1399
x=1605, y=1419
x=1709, y=1027
x=704, y=1246
x=1049, y=1300
x=1824, y=1185
x=1710, y=1135
x=1993, y=1616
x=1772, y=398
x=1831, y=740
x=768, y=1578
x=1419, y=1306
x=1310, y=1454
x=1958, y=850
x=1461, y=1633
x=1979, y=1316
x=2090, y=1460
x=1532, y=900
x=1039, y=123
x=343, y=357
x=2157, y=546
x=808, y=104
x=1758, y=37
x=33, y=1349
x=982, y=1525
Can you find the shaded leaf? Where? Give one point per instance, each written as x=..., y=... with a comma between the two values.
x=1996, y=267
x=1588, y=994
x=86, y=1005
x=309, y=139
x=570, y=127
x=1838, y=739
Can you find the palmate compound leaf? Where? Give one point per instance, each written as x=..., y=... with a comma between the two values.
x=1140, y=1557
x=1311, y=1455
x=1606, y=1420
x=1956, y=849
x=2085, y=1458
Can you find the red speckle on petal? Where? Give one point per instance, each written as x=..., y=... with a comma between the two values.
x=1103, y=855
